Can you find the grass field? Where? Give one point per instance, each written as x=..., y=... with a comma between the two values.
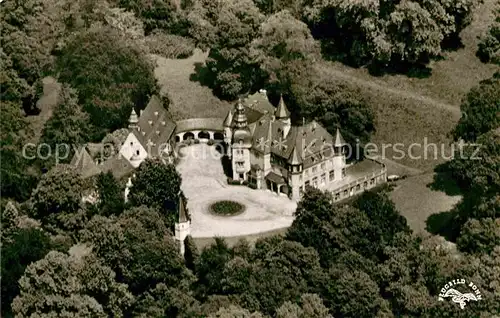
x=189, y=98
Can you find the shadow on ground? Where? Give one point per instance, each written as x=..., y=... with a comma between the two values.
x=202, y=75
x=226, y=165
x=442, y=224
x=444, y=181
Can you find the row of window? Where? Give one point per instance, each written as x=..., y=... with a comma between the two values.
x=314, y=169
x=331, y=178
x=357, y=188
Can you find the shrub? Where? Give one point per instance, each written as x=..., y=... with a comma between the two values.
x=170, y=46
x=196, y=141
x=226, y=207
x=252, y=185
x=210, y=142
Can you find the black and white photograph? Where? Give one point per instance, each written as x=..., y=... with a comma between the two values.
x=250, y=158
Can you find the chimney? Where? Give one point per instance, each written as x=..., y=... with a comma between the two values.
x=156, y=113
x=150, y=122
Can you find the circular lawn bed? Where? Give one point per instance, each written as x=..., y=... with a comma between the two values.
x=227, y=208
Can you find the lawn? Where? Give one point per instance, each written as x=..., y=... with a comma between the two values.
x=416, y=199
x=189, y=98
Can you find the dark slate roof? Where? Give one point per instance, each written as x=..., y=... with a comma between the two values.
x=312, y=142
x=118, y=165
x=215, y=124
x=282, y=111
x=276, y=178
x=182, y=211
x=155, y=125
x=363, y=168
x=84, y=164
x=259, y=102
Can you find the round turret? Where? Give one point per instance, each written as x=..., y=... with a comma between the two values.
x=242, y=137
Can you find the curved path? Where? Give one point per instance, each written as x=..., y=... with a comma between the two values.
x=455, y=110
x=204, y=182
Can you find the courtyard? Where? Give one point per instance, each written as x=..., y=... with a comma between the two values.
x=204, y=183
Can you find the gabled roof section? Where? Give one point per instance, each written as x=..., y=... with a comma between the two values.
x=259, y=102
x=84, y=164
x=155, y=124
x=118, y=165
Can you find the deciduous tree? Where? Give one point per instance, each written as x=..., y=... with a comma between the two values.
x=59, y=191
x=76, y=284
x=110, y=76
x=480, y=111
x=27, y=246
x=157, y=185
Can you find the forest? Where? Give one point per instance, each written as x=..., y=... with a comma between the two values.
x=65, y=258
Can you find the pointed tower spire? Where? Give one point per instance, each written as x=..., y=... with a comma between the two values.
x=229, y=119
x=339, y=140
x=281, y=111
x=295, y=159
x=182, y=211
x=133, y=119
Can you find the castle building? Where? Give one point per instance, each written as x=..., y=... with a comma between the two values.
x=149, y=135
x=267, y=151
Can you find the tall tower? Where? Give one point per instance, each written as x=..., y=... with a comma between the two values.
x=133, y=120
x=283, y=114
x=228, y=133
x=183, y=227
x=241, y=144
x=339, y=162
x=295, y=172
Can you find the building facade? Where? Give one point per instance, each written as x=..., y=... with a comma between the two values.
x=270, y=153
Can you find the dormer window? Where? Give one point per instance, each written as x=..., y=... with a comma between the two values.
x=156, y=113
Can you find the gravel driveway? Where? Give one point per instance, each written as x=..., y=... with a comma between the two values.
x=204, y=182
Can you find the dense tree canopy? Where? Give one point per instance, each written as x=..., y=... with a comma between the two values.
x=157, y=185
x=480, y=111
x=365, y=32
x=228, y=27
x=66, y=128
x=59, y=191
x=27, y=246
x=76, y=284
x=111, y=195
x=489, y=47
x=138, y=247
x=283, y=39
x=110, y=75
